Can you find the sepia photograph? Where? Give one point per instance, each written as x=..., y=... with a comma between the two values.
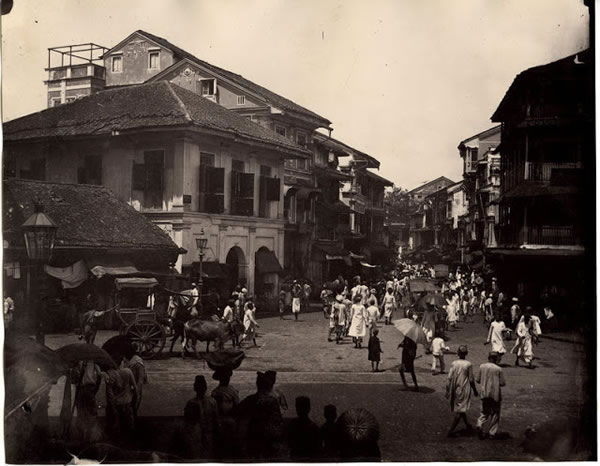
x=298, y=231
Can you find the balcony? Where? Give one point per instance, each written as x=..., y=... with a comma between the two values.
x=540, y=235
x=542, y=172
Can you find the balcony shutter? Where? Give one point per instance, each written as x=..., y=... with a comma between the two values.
x=235, y=183
x=273, y=189
x=138, y=177
x=215, y=178
x=202, y=180
x=215, y=203
x=247, y=185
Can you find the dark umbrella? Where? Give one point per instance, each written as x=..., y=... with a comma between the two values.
x=225, y=359
x=118, y=346
x=29, y=368
x=435, y=299
x=77, y=352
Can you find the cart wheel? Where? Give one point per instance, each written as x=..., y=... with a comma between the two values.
x=147, y=336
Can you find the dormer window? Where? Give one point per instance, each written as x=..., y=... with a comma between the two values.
x=241, y=100
x=117, y=64
x=208, y=87
x=301, y=139
x=154, y=59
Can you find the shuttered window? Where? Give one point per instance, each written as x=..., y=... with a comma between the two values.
x=242, y=193
x=148, y=177
x=211, y=189
x=269, y=189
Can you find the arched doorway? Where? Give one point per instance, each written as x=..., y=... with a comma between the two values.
x=266, y=273
x=236, y=260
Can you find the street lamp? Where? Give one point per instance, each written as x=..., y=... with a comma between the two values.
x=201, y=246
x=39, y=233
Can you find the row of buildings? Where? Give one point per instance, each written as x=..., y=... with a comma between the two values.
x=520, y=206
x=206, y=153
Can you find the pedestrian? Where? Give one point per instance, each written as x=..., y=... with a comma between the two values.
x=375, y=350
x=452, y=309
x=372, y=315
x=202, y=422
x=304, y=437
x=340, y=316
x=348, y=318
x=134, y=362
x=228, y=311
x=438, y=346
x=550, y=323
x=429, y=325
x=491, y=379
x=263, y=420
x=227, y=444
x=297, y=294
x=358, y=319
x=329, y=434
x=460, y=388
x=333, y=316
x=524, y=346
x=389, y=305
x=250, y=324
x=307, y=289
x=496, y=337
x=281, y=304
x=86, y=422
x=120, y=392
x=9, y=310
x=409, y=353
x=275, y=392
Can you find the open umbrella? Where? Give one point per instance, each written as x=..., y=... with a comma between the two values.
x=435, y=299
x=118, y=346
x=358, y=425
x=411, y=330
x=85, y=352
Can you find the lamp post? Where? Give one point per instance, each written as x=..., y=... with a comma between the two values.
x=201, y=246
x=39, y=233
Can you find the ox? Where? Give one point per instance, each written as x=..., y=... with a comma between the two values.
x=207, y=330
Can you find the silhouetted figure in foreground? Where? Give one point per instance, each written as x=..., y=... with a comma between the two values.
x=303, y=434
x=330, y=434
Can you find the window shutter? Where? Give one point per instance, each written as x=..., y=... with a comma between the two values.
x=235, y=183
x=247, y=185
x=215, y=178
x=215, y=203
x=138, y=177
x=273, y=189
x=202, y=180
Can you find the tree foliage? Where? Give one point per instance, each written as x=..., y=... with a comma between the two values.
x=399, y=205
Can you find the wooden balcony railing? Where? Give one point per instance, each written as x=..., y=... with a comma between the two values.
x=546, y=235
x=539, y=171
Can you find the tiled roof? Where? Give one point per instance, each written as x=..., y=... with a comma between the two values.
x=87, y=216
x=152, y=105
x=272, y=98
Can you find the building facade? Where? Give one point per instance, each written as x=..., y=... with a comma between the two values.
x=547, y=118
x=191, y=166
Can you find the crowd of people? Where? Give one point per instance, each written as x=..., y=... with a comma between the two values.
x=221, y=427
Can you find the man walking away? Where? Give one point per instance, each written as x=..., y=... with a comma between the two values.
x=409, y=353
x=491, y=379
x=459, y=389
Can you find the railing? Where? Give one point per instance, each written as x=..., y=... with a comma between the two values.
x=539, y=171
x=547, y=235
x=552, y=235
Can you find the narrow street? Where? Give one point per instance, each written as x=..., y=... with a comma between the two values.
x=413, y=425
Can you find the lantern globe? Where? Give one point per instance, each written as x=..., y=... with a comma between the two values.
x=39, y=232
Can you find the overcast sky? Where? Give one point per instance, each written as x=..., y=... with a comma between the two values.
x=403, y=80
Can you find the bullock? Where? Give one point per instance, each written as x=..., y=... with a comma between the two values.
x=196, y=330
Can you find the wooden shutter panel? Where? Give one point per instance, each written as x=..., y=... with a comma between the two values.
x=138, y=177
x=247, y=185
x=273, y=189
x=81, y=178
x=215, y=203
x=235, y=183
x=215, y=178
x=202, y=180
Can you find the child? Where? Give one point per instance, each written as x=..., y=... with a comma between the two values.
x=281, y=304
x=375, y=351
x=330, y=434
x=438, y=346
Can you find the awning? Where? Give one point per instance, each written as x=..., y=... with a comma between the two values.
x=266, y=262
x=135, y=282
x=212, y=270
x=111, y=266
x=304, y=193
x=356, y=256
x=70, y=277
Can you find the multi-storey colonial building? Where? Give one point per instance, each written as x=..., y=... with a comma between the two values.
x=191, y=166
x=547, y=118
x=481, y=175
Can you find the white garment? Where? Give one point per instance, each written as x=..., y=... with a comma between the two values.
x=496, y=337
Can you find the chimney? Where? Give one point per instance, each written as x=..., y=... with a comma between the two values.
x=74, y=71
